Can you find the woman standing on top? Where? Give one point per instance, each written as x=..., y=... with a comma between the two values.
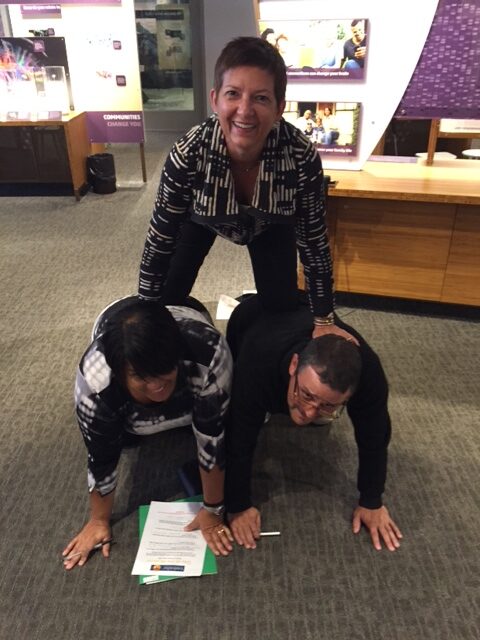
x=249, y=176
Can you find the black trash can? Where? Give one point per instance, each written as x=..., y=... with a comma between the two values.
x=101, y=173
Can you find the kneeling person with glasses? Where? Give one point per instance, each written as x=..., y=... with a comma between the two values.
x=280, y=369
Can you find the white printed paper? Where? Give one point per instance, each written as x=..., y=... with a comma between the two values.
x=165, y=548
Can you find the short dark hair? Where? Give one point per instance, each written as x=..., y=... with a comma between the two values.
x=145, y=336
x=336, y=361
x=247, y=51
x=268, y=31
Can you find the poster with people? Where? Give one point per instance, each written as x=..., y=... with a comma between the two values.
x=331, y=49
x=334, y=127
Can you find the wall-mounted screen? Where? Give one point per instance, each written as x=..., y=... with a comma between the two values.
x=315, y=49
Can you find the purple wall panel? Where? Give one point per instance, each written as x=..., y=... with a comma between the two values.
x=446, y=81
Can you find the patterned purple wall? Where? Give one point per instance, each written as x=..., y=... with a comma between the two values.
x=446, y=81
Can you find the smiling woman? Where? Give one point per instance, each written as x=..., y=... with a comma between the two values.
x=249, y=176
x=150, y=389
x=150, y=369
x=247, y=110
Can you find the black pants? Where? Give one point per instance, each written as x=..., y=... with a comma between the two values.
x=273, y=255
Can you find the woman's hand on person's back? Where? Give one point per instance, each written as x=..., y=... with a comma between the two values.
x=332, y=328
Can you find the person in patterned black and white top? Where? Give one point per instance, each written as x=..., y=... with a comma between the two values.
x=251, y=177
x=151, y=368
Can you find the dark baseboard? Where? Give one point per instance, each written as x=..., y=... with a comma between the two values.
x=401, y=305
x=14, y=190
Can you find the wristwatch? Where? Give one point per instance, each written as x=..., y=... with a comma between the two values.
x=215, y=509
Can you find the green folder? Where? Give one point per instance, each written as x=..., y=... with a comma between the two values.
x=209, y=563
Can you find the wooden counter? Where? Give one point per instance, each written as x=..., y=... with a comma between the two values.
x=452, y=181
x=407, y=230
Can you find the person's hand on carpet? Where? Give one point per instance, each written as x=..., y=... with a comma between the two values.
x=245, y=526
x=95, y=534
x=217, y=535
x=380, y=525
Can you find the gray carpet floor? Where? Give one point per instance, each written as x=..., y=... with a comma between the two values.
x=61, y=263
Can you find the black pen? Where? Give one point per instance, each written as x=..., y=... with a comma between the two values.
x=99, y=545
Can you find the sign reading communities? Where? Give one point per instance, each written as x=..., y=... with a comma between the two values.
x=124, y=126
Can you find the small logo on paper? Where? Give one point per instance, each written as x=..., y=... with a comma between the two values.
x=167, y=567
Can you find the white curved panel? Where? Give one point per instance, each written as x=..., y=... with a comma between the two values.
x=395, y=41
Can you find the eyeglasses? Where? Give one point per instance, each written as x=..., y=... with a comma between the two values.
x=322, y=407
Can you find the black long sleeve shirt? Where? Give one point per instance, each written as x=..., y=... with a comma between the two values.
x=263, y=351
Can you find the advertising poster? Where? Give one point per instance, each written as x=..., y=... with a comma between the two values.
x=315, y=49
x=164, y=48
x=173, y=37
x=106, y=70
x=34, y=78
x=106, y=73
x=334, y=126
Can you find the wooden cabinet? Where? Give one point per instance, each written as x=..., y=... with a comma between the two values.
x=381, y=247
x=49, y=151
x=462, y=276
x=407, y=231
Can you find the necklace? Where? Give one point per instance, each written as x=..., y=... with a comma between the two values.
x=246, y=169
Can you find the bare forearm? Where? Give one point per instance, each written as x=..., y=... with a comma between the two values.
x=212, y=485
x=101, y=507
